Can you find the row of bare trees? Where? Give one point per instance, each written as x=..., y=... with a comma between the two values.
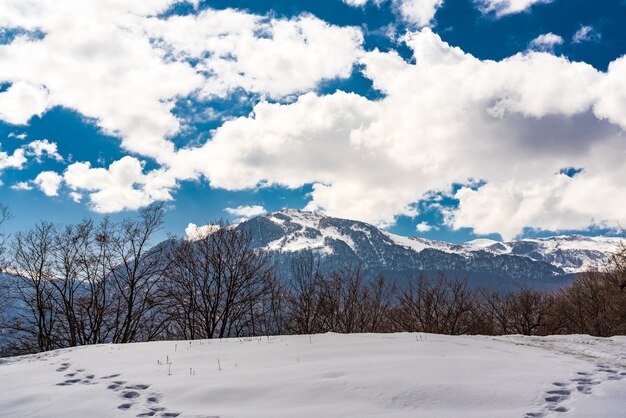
x=83, y=284
x=93, y=283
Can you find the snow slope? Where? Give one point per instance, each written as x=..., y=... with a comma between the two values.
x=329, y=375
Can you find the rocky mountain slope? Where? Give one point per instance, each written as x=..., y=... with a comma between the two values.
x=542, y=263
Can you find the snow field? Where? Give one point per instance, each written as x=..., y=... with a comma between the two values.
x=328, y=375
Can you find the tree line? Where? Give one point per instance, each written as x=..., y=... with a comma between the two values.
x=107, y=282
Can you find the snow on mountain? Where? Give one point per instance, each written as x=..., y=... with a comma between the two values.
x=572, y=253
x=341, y=241
x=328, y=375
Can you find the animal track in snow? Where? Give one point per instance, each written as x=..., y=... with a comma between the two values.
x=131, y=393
x=138, y=387
x=583, y=383
x=68, y=382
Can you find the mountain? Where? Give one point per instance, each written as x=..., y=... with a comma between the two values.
x=540, y=263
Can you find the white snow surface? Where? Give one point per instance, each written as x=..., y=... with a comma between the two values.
x=328, y=375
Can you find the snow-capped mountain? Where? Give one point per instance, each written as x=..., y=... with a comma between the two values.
x=542, y=262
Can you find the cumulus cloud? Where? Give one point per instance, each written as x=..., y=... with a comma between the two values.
x=584, y=34
x=121, y=186
x=546, y=42
x=424, y=227
x=417, y=12
x=246, y=212
x=22, y=101
x=22, y=185
x=269, y=56
x=85, y=43
x=48, y=182
x=42, y=147
x=505, y=129
x=122, y=66
x=17, y=159
x=151, y=57
x=507, y=7
x=447, y=119
x=194, y=232
x=76, y=197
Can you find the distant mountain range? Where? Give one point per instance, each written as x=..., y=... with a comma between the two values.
x=541, y=263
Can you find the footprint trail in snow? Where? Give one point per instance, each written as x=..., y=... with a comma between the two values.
x=555, y=399
x=134, y=396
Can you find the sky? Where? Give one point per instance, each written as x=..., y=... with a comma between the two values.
x=447, y=119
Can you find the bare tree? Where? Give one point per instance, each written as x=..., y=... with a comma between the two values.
x=95, y=302
x=594, y=305
x=617, y=266
x=5, y=281
x=66, y=280
x=350, y=304
x=342, y=301
x=443, y=306
x=32, y=255
x=379, y=303
x=218, y=286
x=5, y=215
x=528, y=310
x=304, y=297
x=136, y=268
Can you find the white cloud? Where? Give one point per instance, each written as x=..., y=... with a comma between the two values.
x=40, y=147
x=418, y=12
x=48, y=182
x=95, y=58
x=76, y=197
x=194, y=232
x=611, y=102
x=19, y=157
x=21, y=185
x=22, y=101
x=507, y=7
x=17, y=136
x=270, y=56
x=592, y=198
x=424, y=227
x=359, y=3
x=276, y=57
x=123, y=186
x=15, y=160
x=119, y=64
x=246, y=212
x=446, y=119
x=584, y=34
x=546, y=42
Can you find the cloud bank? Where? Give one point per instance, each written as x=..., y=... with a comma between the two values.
x=494, y=136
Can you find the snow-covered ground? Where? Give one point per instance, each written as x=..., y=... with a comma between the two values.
x=330, y=375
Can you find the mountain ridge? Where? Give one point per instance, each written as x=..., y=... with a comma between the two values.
x=537, y=262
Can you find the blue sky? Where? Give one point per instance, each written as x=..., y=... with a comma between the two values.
x=203, y=102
